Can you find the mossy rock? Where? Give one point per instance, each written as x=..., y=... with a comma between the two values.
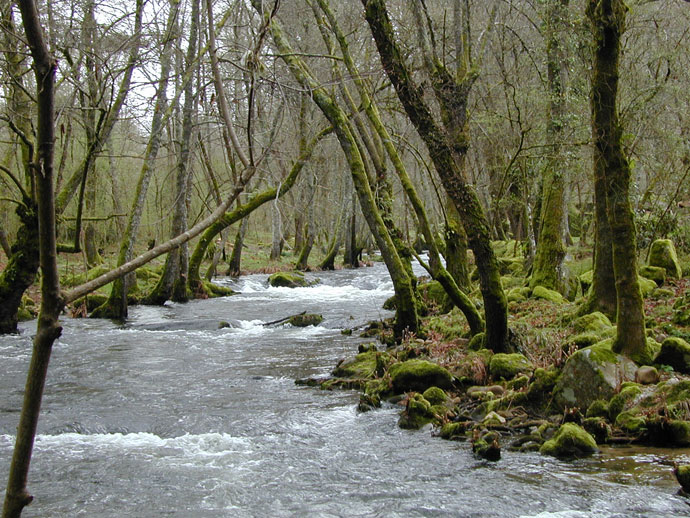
x=598, y=408
x=542, y=385
x=647, y=286
x=598, y=428
x=474, y=367
x=507, y=366
x=454, y=431
x=654, y=273
x=509, y=282
x=435, y=396
x=631, y=423
x=586, y=280
x=24, y=313
x=433, y=294
x=623, y=400
x=419, y=375
x=582, y=340
x=595, y=322
x=662, y=293
x=592, y=373
x=288, y=280
x=308, y=319
x=676, y=353
x=668, y=432
x=487, y=446
x=570, y=441
x=540, y=292
x=683, y=476
x=417, y=413
x=361, y=366
x=663, y=254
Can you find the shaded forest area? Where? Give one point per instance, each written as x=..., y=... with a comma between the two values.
x=535, y=150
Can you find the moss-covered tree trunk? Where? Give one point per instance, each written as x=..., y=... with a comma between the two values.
x=22, y=257
x=116, y=305
x=443, y=153
x=548, y=269
x=235, y=262
x=406, y=318
x=607, y=19
x=456, y=247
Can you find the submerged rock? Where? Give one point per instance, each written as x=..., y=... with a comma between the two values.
x=590, y=374
x=663, y=254
x=487, y=446
x=570, y=441
x=419, y=375
x=676, y=353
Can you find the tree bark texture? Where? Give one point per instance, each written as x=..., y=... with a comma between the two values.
x=443, y=154
x=607, y=18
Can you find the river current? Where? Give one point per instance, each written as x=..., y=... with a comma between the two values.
x=170, y=416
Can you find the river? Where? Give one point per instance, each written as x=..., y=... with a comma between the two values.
x=171, y=416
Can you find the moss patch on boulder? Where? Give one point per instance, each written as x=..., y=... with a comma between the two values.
x=539, y=292
x=288, y=280
x=590, y=374
x=654, y=273
x=570, y=441
x=507, y=366
x=663, y=254
x=434, y=296
x=676, y=353
x=595, y=322
x=419, y=375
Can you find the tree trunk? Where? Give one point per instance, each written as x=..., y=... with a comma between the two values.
x=406, y=319
x=116, y=305
x=608, y=23
x=456, y=247
x=48, y=329
x=277, y=232
x=443, y=154
x=548, y=262
x=236, y=257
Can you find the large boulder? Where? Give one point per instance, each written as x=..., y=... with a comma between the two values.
x=570, y=441
x=654, y=273
x=663, y=254
x=288, y=280
x=676, y=353
x=595, y=322
x=592, y=373
x=540, y=292
x=419, y=375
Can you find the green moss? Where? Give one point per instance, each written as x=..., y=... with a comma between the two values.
x=662, y=293
x=676, y=353
x=595, y=322
x=518, y=383
x=288, y=280
x=435, y=396
x=544, y=381
x=598, y=408
x=455, y=431
x=539, y=292
x=517, y=295
x=647, y=286
x=679, y=432
x=663, y=254
x=487, y=446
x=570, y=441
x=631, y=423
x=623, y=400
x=419, y=375
x=417, y=413
x=361, y=366
x=507, y=366
x=683, y=475
x=586, y=280
x=654, y=273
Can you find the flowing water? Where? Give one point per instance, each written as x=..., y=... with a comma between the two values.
x=171, y=416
